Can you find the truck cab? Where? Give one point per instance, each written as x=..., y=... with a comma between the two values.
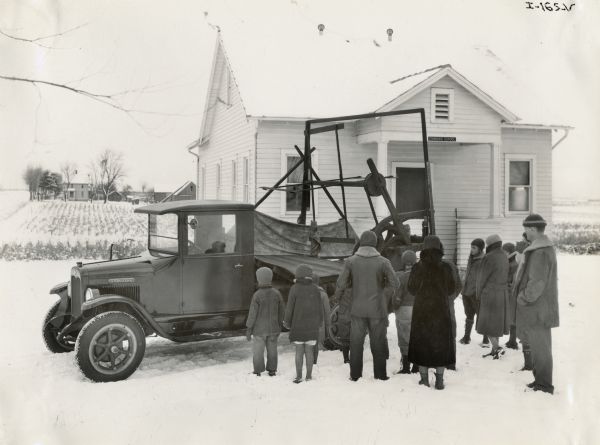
x=194, y=282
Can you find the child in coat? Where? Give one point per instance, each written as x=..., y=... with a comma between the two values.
x=303, y=317
x=264, y=322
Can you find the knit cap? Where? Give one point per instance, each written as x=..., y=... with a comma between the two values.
x=510, y=249
x=479, y=243
x=304, y=271
x=264, y=275
x=368, y=238
x=534, y=220
x=493, y=239
x=408, y=257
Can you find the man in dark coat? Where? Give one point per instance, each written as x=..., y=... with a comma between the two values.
x=431, y=342
x=371, y=277
x=492, y=293
x=536, y=289
x=469, y=298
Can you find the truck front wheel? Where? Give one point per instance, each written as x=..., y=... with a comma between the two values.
x=110, y=347
x=50, y=332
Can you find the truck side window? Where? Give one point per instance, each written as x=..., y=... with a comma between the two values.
x=210, y=234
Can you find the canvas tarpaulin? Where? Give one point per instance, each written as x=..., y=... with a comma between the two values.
x=273, y=236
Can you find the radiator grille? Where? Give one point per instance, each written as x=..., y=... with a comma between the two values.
x=127, y=291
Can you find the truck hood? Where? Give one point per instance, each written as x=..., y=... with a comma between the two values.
x=145, y=264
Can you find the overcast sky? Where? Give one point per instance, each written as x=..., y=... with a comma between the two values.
x=161, y=53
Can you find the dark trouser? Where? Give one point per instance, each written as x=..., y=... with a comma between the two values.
x=540, y=342
x=470, y=305
x=377, y=329
x=258, y=350
x=346, y=353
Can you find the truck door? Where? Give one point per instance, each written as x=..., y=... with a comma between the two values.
x=218, y=267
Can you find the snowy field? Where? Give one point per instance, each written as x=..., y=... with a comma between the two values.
x=582, y=213
x=11, y=201
x=205, y=392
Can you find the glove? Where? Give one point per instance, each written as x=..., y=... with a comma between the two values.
x=248, y=334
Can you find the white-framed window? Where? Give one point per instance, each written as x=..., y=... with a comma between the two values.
x=234, y=180
x=218, y=179
x=442, y=105
x=519, y=183
x=246, y=179
x=291, y=198
x=203, y=182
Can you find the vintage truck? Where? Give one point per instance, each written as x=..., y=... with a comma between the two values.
x=196, y=280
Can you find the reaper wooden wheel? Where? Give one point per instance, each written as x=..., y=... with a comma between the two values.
x=389, y=235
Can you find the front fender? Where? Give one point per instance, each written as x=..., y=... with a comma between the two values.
x=139, y=310
x=63, y=310
x=60, y=288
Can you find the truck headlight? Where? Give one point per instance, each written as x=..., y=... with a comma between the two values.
x=91, y=293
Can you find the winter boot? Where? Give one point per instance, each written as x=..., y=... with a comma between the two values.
x=485, y=342
x=405, y=365
x=439, y=380
x=424, y=377
x=528, y=363
x=414, y=369
x=467, y=337
x=512, y=340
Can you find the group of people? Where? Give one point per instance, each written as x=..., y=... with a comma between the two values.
x=504, y=295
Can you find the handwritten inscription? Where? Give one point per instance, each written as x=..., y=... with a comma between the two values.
x=549, y=6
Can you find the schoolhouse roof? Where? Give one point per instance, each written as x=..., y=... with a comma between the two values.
x=285, y=68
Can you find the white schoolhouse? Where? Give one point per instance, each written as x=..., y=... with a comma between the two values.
x=490, y=139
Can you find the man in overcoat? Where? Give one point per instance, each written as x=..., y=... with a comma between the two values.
x=536, y=288
x=492, y=293
x=371, y=278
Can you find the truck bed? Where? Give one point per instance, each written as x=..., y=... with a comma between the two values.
x=286, y=265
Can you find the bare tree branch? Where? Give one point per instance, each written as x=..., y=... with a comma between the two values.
x=36, y=40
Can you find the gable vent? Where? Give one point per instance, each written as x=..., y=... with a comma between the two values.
x=442, y=104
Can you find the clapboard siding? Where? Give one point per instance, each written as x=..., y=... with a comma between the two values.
x=471, y=116
x=276, y=138
x=231, y=138
x=460, y=180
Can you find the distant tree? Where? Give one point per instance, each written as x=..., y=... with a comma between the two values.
x=32, y=177
x=126, y=189
x=58, y=180
x=68, y=170
x=50, y=184
x=107, y=171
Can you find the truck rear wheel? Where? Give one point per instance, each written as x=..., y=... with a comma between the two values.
x=333, y=340
x=50, y=333
x=110, y=347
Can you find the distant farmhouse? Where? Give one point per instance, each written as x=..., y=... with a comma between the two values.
x=164, y=193
x=490, y=140
x=79, y=188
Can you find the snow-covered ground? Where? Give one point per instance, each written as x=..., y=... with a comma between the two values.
x=205, y=393
x=11, y=201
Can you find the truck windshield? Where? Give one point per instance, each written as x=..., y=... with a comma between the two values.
x=162, y=233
